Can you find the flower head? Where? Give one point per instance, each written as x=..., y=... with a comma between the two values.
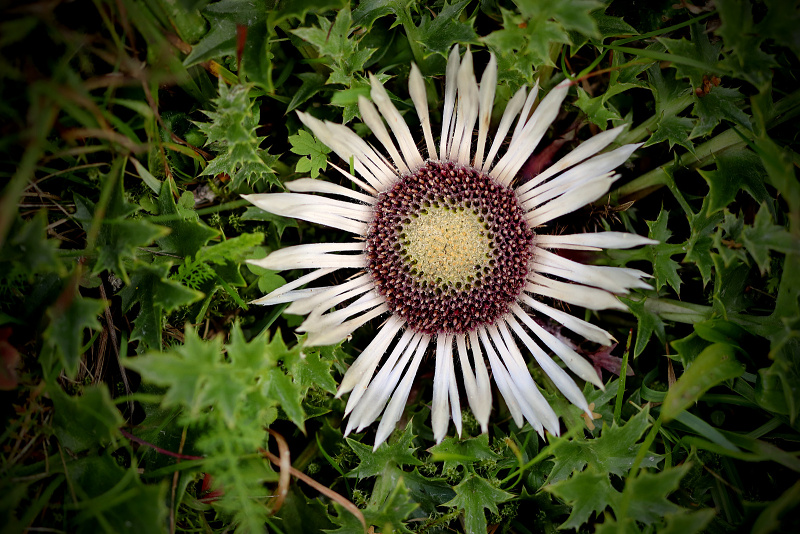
x=447, y=247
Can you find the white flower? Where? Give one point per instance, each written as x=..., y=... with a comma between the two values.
x=447, y=248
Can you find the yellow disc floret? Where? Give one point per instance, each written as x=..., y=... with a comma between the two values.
x=447, y=246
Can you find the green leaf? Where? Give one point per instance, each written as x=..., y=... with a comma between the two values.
x=69, y=317
x=714, y=365
x=311, y=367
x=336, y=42
x=737, y=170
x=647, y=324
x=612, y=453
x=280, y=223
x=669, y=94
x=473, y=494
x=587, y=492
x=155, y=295
x=721, y=103
x=454, y=451
x=665, y=269
x=700, y=49
x=118, y=238
x=764, y=236
x=740, y=37
x=398, y=452
x=188, y=235
x=438, y=34
x=306, y=145
x=688, y=522
x=780, y=24
x=389, y=515
x=86, y=420
x=597, y=109
x=646, y=494
x=231, y=133
x=28, y=250
x=113, y=499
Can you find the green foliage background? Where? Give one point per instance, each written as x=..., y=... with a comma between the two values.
x=141, y=393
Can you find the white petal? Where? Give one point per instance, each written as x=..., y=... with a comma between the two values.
x=560, y=378
x=613, y=279
x=595, y=241
x=310, y=185
x=373, y=119
x=440, y=409
x=345, y=216
x=382, y=386
x=579, y=326
x=314, y=256
x=416, y=87
x=455, y=403
x=396, y=123
x=535, y=128
x=521, y=376
x=288, y=292
x=571, y=200
x=325, y=300
x=526, y=111
x=378, y=181
x=579, y=175
x=323, y=308
x=588, y=297
x=578, y=365
x=328, y=321
x=363, y=185
x=448, y=113
x=511, y=111
x=337, y=334
x=487, y=91
x=351, y=145
x=470, y=385
x=483, y=383
x=400, y=396
x=366, y=363
x=508, y=389
x=586, y=149
x=468, y=102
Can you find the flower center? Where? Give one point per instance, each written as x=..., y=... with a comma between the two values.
x=448, y=248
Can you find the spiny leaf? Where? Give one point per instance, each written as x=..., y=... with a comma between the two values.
x=188, y=234
x=466, y=452
x=764, y=236
x=231, y=133
x=737, y=170
x=155, y=295
x=334, y=41
x=115, y=499
x=86, y=420
x=398, y=452
x=700, y=49
x=473, y=495
x=317, y=154
x=118, y=238
x=69, y=317
x=665, y=269
x=714, y=365
x=612, y=453
x=647, y=324
x=587, y=492
x=646, y=495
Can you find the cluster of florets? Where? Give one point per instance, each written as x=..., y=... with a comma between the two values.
x=479, y=296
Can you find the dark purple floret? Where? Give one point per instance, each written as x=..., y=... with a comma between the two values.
x=431, y=307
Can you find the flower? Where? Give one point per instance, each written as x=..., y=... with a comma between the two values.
x=447, y=248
